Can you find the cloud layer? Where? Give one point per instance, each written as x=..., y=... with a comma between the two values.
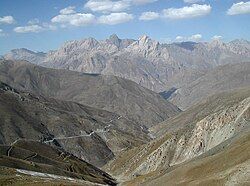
x=77, y=19
x=29, y=28
x=7, y=20
x=193, y=1
x=115, y=18
x=192, y=11
x=194, y=38
x=239, y=8
x=217, y=37
x=142, y=2
x=107, y=5
x=2, y=33
x=35, y=28
x=68, y=10
x=147, y=16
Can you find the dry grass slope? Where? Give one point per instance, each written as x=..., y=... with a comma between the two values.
x=38, y=157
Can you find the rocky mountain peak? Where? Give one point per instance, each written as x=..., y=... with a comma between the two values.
x=146, y=43
x=216, y=43
x=114, y=39
x=239, y=46
x=144, y=39
x=25, y=54
x=21, y=50
x=25, y=51
x=85, y=44
x=91, y=42
x=240, y=41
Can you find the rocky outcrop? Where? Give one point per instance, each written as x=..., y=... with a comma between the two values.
x=212, y=131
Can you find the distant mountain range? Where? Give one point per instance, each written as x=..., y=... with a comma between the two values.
x=156, y=66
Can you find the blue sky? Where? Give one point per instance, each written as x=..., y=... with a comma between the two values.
x=43, y=25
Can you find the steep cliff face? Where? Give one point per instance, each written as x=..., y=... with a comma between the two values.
x=208, y=126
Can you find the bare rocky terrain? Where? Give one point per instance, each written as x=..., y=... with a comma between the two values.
x=205, y=131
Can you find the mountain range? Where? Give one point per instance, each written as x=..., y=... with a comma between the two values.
x=144, y=61
x=126, y=111
x=156, y=66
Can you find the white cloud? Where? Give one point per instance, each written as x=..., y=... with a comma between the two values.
x=48, y=26
x=108, y=5
x=216, y=37
x=179, y=38
x=196, y=37
x=34, y=28
x=142, y=2
x=194, y=10
x=68, y=10
x=33, y=21
x=29, y=28
x=78, y=19
x=193, y=1
x=2, y=33
x=166, y=40
x=7, y=20
x=82, y=19
x=115, y=18
x=146, y=16
x=239, y=8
